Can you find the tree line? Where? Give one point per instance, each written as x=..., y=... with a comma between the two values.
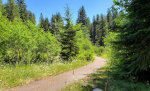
x=97, y=28
x=17, y=9
x=22, y=41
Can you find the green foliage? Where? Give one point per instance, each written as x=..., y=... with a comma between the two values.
x=16, y=9
x=98, y=31
x=46, y=25
x=26, y=43
x=56, y=24
x=31, y=17
x=12, y=10
x=68, y=39
x=82, y=18
x=99, y=50
x=85, y=46
x=1, y=5
x=22, y=10
x=129, y=41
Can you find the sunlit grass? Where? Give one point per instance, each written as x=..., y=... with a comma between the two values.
x=11, y=76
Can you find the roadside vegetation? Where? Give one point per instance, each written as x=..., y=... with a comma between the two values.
x=106, y=81
x=126, y=50
x=30, y=51
x=11, y=76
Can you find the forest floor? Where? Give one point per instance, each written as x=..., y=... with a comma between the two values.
x=56, y=83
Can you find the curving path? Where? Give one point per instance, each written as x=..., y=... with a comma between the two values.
x=56, y=83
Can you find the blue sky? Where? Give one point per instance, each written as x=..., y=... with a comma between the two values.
x=49, y=7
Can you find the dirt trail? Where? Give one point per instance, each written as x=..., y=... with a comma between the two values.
x=56, y=83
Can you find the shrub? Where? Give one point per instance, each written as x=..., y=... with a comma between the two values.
x=23, y=42
x=85, y=46
x=99, y=50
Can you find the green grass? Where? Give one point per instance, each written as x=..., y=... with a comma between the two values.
x=11, y=76
x=99, y=80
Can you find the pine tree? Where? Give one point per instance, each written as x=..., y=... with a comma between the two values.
x=132, y=44
x=94, y=30
x=98, y=31
x=56, y=23
x=31, y=17
x=22, y=10
x=53, y=24
x=46, y=25
x=69, y=46
x=113, y=25
x=109, y=18
x=12, y=10
x=82, y=18
x=1, y=5
x=41, y=21
x=102, y=31
x=91, y=32
x=59, y=17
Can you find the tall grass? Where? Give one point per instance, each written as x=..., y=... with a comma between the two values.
x=11, y=76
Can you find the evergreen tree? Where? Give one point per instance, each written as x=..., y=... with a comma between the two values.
x=31, y=17
x=114, y=12
x=12, y=10
x=94, y=30
x=91, y=32
x=22, y=10
x=56, y=23
x=98, y=31
x=85, y=21
x=132, y=43
x=46, y=25
x=59, y=17
x=1, y=5
x=53, y=24
x=88, y=23
x=69, y=46
x=109, y=18
x=41, y=21
x=102, y=31
x=82, y=18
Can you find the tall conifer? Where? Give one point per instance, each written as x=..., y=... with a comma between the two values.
x=69, y=46
x=12, y=10
x=22, y=10
x=82, y=17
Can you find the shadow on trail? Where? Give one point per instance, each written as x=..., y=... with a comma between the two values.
x=96, y=80
x=105, y=81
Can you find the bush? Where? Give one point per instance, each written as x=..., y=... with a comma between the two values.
x=23, y=42
x=99, y=50
x=85, y=46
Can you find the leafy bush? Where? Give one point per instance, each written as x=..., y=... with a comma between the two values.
x=99, y=50
x=23, y=42
x=85, y=46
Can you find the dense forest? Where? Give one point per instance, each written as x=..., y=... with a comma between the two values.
x=123, y=35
